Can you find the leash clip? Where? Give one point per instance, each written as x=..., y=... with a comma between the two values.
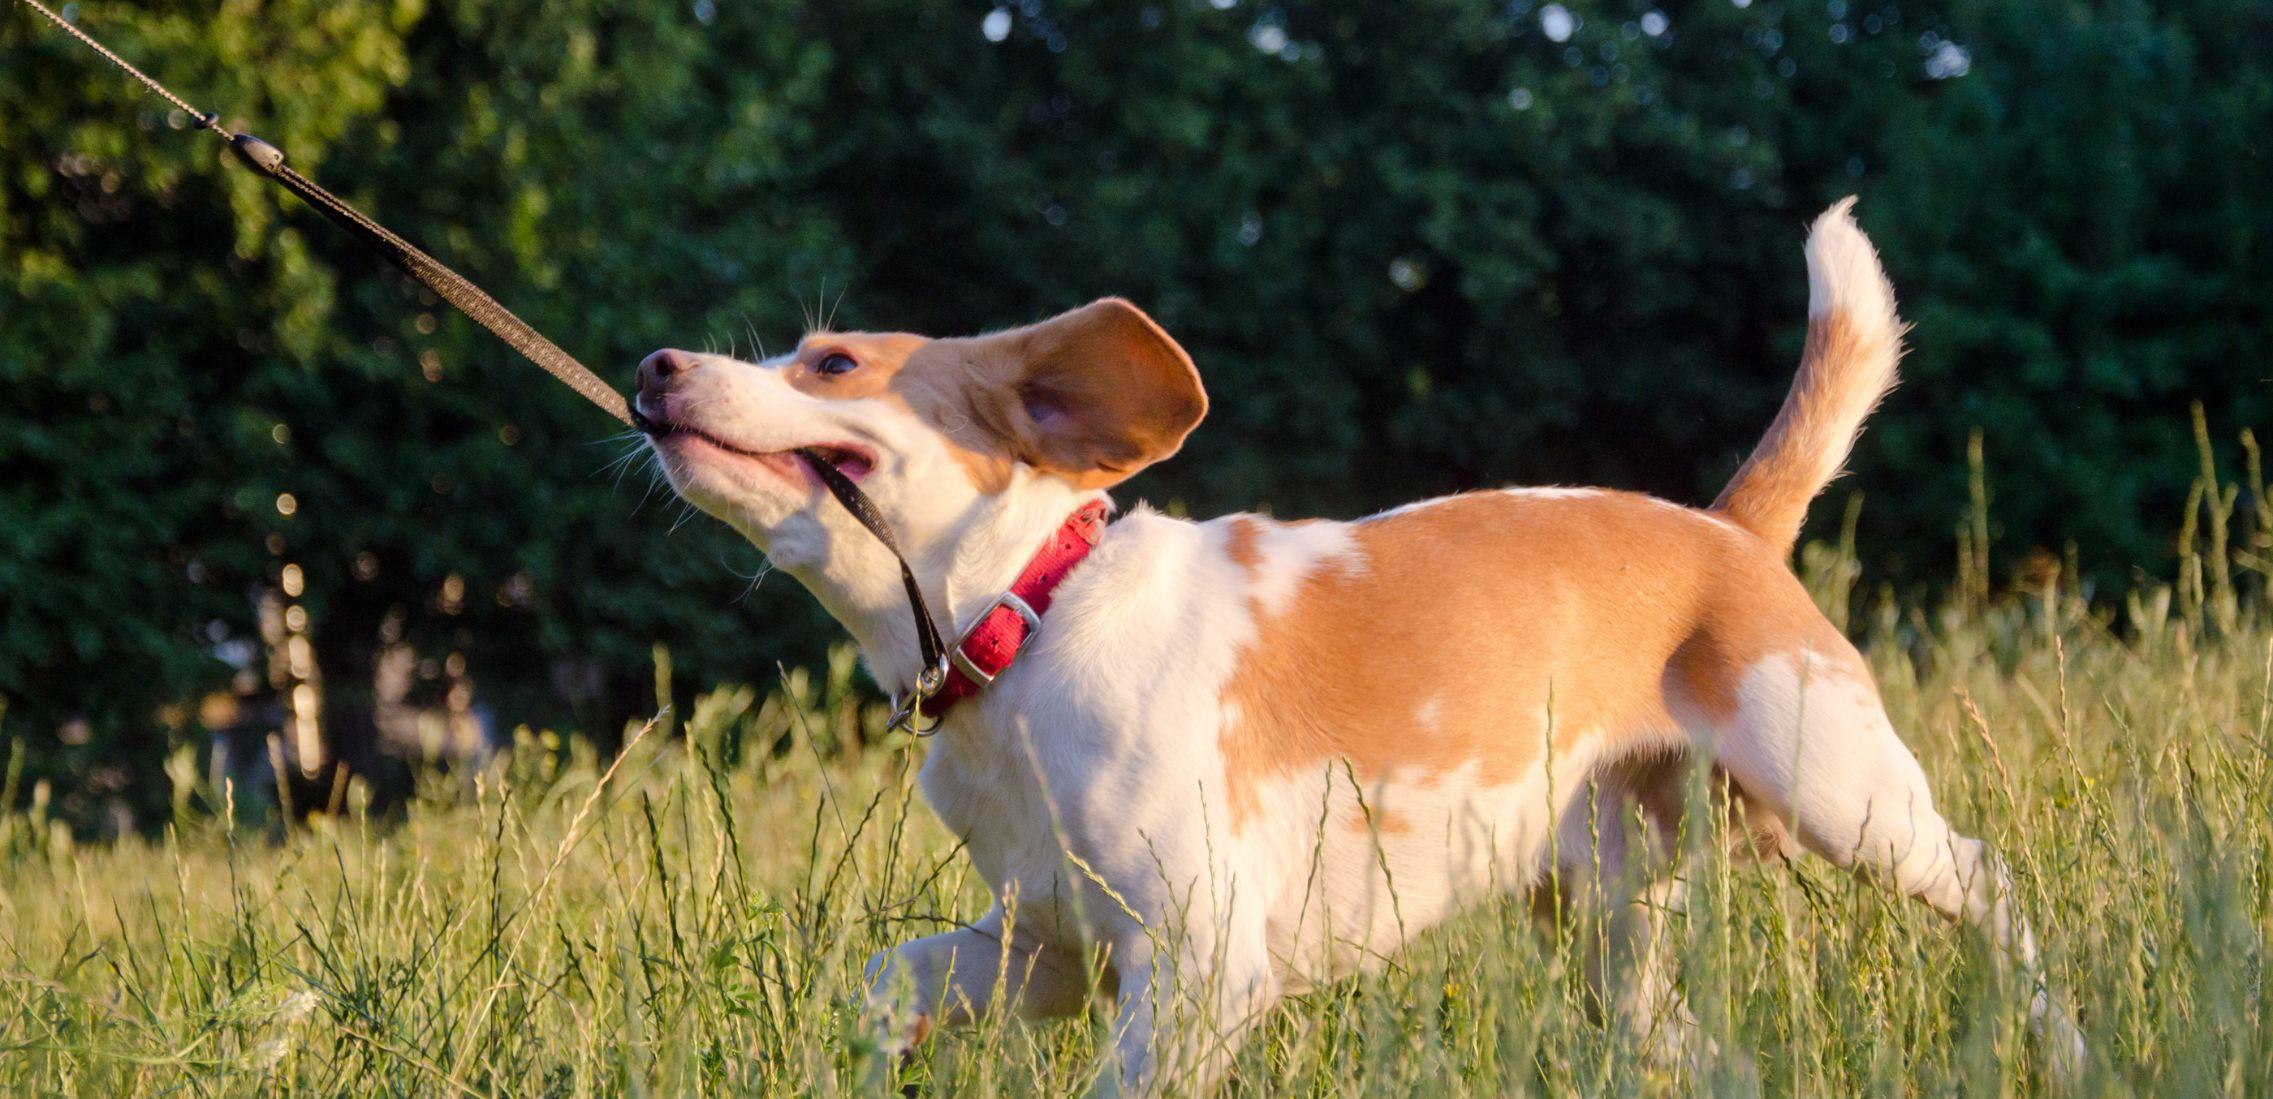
x=907, y=706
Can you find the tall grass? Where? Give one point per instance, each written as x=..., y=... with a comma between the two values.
x=692, y=916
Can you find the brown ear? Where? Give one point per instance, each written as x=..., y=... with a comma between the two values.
x=1094, y=394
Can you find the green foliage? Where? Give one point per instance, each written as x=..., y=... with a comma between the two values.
x=1414, y=247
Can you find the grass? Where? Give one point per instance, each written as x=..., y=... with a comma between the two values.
x=692, y=916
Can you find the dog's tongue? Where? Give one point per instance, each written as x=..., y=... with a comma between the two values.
x=843, y=463
x=829, y=462
x=812, y=456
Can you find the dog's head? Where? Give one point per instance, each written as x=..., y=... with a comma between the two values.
x=951, y=438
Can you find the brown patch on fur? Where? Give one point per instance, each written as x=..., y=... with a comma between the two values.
x=1520, y=615
x=894, y=366
x=1379, y=821
x=1092, y=395
x=1770, y=614
x=1241, y=545
x=1844, y=370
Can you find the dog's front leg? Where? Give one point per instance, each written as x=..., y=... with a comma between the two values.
x=952, y=978
x=1182, y=1013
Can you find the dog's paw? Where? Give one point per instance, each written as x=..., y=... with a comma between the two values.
x=891, y=1028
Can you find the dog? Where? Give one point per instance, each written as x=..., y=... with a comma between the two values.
x=1235, y=759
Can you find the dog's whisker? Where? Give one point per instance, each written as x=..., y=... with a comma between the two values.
x=753, y=579
x=755, y=341
x=617, y=470
x=831, y=322
x=659, y=477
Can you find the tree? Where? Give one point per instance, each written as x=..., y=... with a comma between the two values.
x=1414, y=248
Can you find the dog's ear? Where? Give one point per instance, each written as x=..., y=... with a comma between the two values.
x=1094, y=394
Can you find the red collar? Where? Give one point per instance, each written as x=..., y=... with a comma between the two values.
x=987, y=649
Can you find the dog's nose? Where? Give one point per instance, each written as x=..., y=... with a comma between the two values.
x=658, y=368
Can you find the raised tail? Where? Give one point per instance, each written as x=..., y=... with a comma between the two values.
x=1853, y=342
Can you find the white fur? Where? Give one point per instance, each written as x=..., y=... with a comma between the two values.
x=1430, y=712
x=1843, y=272
x=967, y=546
x=1554, y=492
x=1292, y=552
x=1089, y=782
x=1845, y=281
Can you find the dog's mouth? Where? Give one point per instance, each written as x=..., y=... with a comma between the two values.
x=796, y=463
x=848, y=460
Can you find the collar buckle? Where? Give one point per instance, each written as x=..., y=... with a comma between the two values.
x=978, y=676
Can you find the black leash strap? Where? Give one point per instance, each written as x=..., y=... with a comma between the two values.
x=430, y=272
x=934, y=672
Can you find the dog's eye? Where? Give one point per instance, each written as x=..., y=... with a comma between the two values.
x=834, y=364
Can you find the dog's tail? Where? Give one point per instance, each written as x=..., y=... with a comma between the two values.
x=1853, y=341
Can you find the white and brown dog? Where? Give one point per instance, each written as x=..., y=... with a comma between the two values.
x=1242, y=757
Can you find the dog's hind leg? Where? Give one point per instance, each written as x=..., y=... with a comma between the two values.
x=1810, y=739
x=1617, y=857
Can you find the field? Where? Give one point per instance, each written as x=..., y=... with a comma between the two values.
x=692, y=917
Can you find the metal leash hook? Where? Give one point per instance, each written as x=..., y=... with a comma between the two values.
x=907, y=706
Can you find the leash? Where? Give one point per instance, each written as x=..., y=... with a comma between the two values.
x=456, y=289
x=908, y=705
x=431, y=273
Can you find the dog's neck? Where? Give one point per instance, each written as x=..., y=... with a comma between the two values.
x=963, y=567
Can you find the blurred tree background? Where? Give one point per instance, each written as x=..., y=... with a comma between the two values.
x=1415, y=247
